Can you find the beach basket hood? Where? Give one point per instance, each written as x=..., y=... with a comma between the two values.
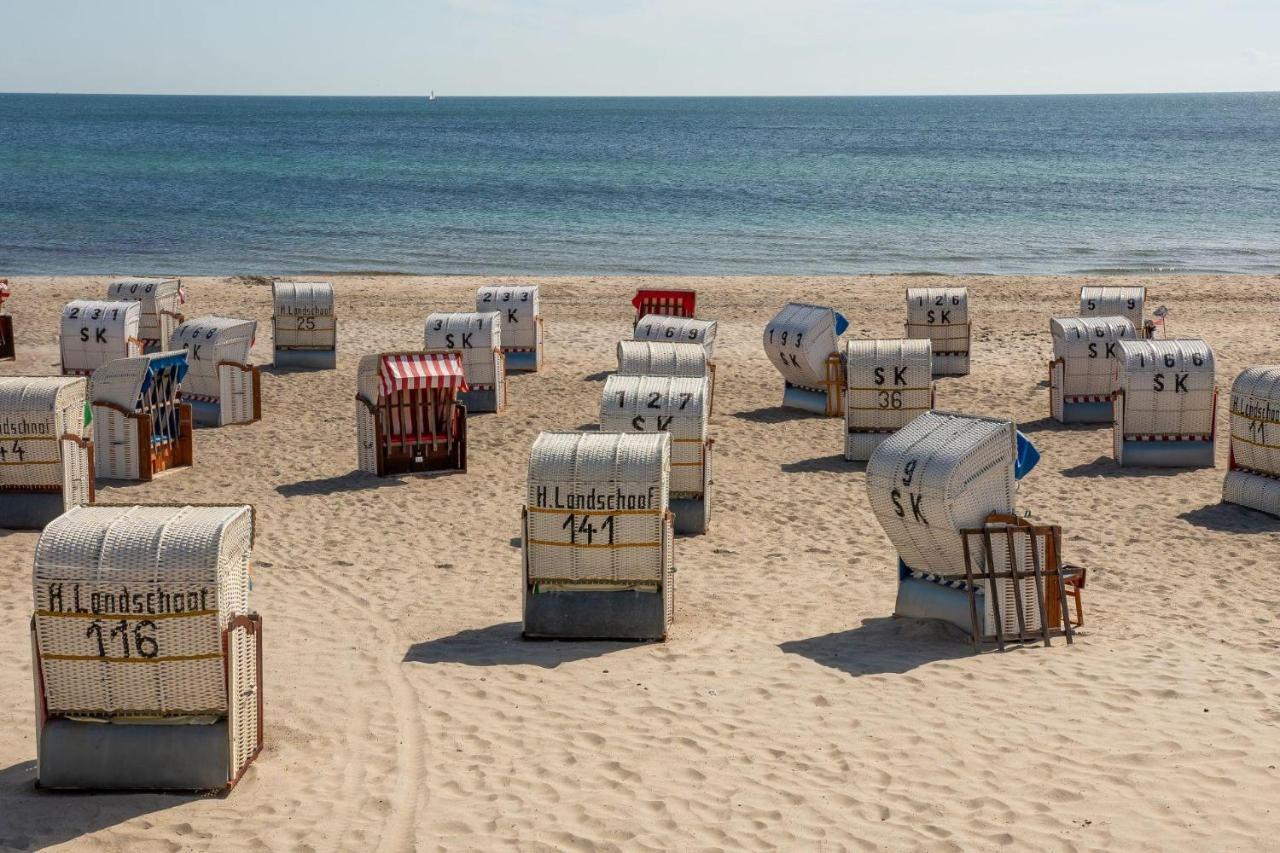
x=93, y=332
x=518, y=309
x=650, y=358
x=799, y=340
x=1124, y=302
x=939, y=474
x=657, y=327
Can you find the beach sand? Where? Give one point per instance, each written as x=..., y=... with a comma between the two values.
x=788, y=710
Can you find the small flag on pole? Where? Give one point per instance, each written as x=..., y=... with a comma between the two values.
x=1159, y=314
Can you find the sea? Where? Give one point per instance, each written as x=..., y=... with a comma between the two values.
x=587, y=186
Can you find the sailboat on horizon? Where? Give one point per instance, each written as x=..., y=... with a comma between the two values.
x=432, y=96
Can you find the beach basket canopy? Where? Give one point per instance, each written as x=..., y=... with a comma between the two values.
x=799, y=340
x=658, y=327
x=518, y=307
x=407, y=371
x=1124, y=302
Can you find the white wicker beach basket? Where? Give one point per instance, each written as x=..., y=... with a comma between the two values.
x=121, y=383
x=658, y=327
x=597, y=505
x=93, y=332
x=941, y=314
x=131, y=603
x=519, y=311
x=478, y=336
x=40, y=418
x=888, y=383
x=1168, y=388
x=1124, y=302
x=159, y=298
x=1085, y=350
x=679, y=406
x=799, y=340
x=303, y=315
x=218, y=369
x=938, y=475
x=648, y=358
x=1254, y=478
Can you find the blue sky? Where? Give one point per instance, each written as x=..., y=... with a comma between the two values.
x=638, y=47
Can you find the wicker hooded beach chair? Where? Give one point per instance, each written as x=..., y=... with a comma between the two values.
x=941, y=314
x=681, y=407
x=802, y=341
x=664, y=303
x=8, y=351
x=408, y=416
x=94, y=332
x=1082, y=371
x=1253, y=473
x=1165, y=404
x=147, y=659
x=159, y=298
x=221, y=385
x=46, y=449
x=140, y=426
x=477, y=336
x=889, y=382
x=941, y=480
x=521, y=321
x=598, y=544
x=1124, y=302
x=304, y=328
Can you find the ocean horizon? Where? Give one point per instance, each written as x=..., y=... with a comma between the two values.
x=998, y=184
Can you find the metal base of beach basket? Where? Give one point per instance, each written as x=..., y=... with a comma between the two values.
x=624, y=614
x=312, y=359
x=922, y=599
x=951, y=364
x=6, y=338
x=1166, y=454
x=29, y=510
x=1254, y=491
x=1087, y=413
x=807, y=400
x=691, y=514
x=98, y=756
x=523, y=361
x=491, y=399
x=859, y=446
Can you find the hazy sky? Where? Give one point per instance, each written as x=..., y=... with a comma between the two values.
x=638, y=47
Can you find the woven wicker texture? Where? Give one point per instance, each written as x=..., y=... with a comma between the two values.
x=937, y=475
x=1088, y=347
x=159, y=298
x=139, y=384
x=679, y=406
x=940, y=314
x=798, y=340
x=93, y=332
x=596, y=505
x=217, y=353
x=478, y=336
x=1255, y=420
x=1001, y=557
x=302, y=315
x=518, y=309
x=34, y=415
x=130, y=606
x=648, y=358
x=1259, y=491
x=888, y=382
x=1114, y=302
x=1168, y=387
x=657, y=327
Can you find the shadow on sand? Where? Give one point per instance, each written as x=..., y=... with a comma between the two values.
x=776, y=415
x=502, y=645
x=354, y=481
x=1050, y=425
x=824, y=464
x=1231, y=518
x=1105, y=466
x=32, y=818
x=598, y=377
x=884, y=645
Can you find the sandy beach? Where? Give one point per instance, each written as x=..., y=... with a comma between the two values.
x=788, y=710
